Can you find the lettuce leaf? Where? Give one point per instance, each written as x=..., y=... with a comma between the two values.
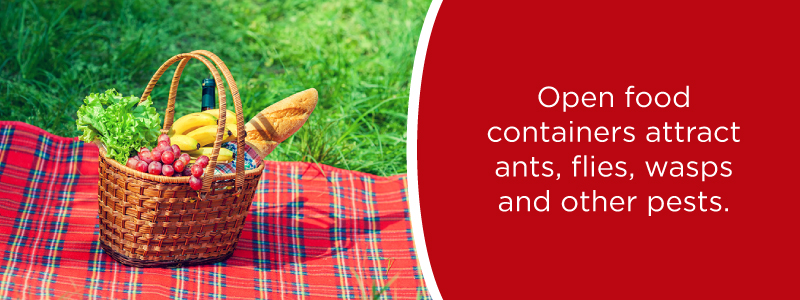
x=123, y=126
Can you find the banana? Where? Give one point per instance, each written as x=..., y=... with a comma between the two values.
x=193, y=121
x=224, y=154
x=230, y=117
x=234, y=132
x=207, y=134
x=230, y=122
x=202, y=112
x=185, y=143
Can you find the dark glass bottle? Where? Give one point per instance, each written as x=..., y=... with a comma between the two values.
x=209, y=89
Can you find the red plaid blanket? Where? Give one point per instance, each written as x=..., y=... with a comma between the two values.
x=311, y=233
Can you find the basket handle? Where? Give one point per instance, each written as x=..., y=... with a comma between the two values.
x=208, y=175
x=241, y=133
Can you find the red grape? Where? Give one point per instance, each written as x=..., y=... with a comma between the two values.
x=163, y=137
x=185, y=158
x=154, y=168
x=176, y=150
x=143, y=149
x=146, y=156
x=163, y=145
x=132, y=163
x=167, y=157
x=187, y=172
x=156, y=155
x=167, y=170
x=197, y=170
x=202, y=161
x=142, y=166
x=195, y=183
x=179, y=165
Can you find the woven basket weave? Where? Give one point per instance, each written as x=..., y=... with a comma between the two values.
x=159, y=221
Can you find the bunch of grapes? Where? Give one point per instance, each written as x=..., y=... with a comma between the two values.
x=167, y=160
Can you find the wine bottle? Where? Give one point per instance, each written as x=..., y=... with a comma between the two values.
x=209, y=89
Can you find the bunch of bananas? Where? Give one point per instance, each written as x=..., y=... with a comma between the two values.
x=195, y=133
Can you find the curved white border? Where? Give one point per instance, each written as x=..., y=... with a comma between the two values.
x=413, y=116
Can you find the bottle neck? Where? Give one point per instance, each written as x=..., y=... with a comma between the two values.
x=208, y=98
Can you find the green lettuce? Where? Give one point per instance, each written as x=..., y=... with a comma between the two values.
x=123, y=126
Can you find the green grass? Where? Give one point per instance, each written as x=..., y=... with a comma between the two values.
x=357, y=54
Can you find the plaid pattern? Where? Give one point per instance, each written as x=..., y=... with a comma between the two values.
x=310, y=234
x=250, y=159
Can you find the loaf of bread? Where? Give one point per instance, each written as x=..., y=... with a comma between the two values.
x=279, y=121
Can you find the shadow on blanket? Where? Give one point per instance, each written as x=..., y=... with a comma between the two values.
x=298, y=232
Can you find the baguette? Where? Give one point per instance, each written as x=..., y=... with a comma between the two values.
x=279, y=121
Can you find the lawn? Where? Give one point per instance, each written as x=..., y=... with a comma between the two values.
x=357, y=54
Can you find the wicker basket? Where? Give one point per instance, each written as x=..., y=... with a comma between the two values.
x=158, y=221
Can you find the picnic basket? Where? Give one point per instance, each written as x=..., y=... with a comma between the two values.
x=159, y=221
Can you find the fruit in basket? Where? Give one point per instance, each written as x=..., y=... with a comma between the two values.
x=185, y=143
x=167, y=157
x=234, y=132
x=167, y=170
x=230, y=117
x=145, y=156
x=230, y=122
x=132, y=163
x=192, y=121
x=197, y=170
x=163, y=138
x=154, y=168
x=224, y=154
x=176, y=150
x=195, y=183
x=164, y=159
x=179, y=165
x=203, y=160
x=142, y=166
x=207, y=134
x=155, y=155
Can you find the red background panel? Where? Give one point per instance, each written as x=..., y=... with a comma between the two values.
x=485, y=66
